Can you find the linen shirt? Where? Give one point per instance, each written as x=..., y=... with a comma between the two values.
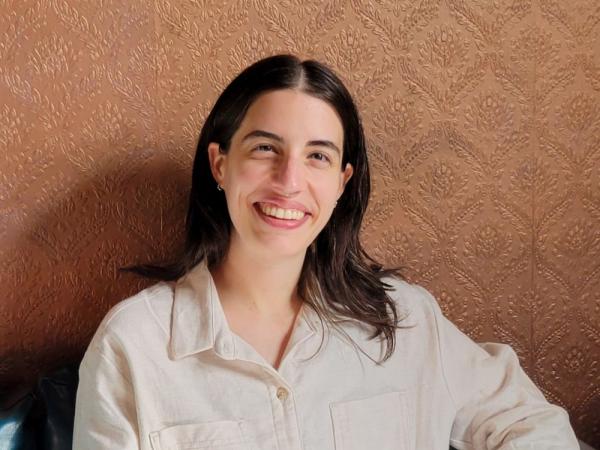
x=164, y=371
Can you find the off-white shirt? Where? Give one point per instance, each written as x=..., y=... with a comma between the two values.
x=164, y=371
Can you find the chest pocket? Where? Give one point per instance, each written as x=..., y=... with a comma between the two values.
x=223, y=435
x=380, y=422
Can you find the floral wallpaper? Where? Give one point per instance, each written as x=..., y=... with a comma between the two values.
x=483, y=122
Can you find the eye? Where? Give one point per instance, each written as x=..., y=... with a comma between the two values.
x=320, y=156
x=264, y=148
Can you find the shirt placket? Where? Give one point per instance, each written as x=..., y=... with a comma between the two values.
x=280, y=384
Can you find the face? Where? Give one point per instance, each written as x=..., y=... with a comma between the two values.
x=282, y=174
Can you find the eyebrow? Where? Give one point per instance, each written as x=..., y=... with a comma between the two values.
x=277, y=138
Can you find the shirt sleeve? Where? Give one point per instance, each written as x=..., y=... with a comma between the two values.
x=498, y=406
x=105, y=413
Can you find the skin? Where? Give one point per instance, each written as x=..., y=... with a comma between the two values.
x=285, y=153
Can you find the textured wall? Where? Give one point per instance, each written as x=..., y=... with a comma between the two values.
x=483, y=118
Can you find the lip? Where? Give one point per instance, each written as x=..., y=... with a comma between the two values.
x=284, y=204
x=280, y=223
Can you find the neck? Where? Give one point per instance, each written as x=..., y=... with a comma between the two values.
x=263, y=286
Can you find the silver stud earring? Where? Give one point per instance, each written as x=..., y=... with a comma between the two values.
x=219, y=188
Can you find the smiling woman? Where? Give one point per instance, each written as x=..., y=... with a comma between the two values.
x=275, y=329
x=281, y=173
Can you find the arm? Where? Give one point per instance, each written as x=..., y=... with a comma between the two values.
x=105, y=413
x=498, y=406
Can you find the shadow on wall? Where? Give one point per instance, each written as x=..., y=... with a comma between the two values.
x=61, y=276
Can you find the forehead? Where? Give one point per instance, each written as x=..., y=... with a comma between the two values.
x=293, y=114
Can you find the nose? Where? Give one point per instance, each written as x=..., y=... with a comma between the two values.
x=289, y=176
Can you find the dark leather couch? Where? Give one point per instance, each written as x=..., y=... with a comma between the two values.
x=40, y=418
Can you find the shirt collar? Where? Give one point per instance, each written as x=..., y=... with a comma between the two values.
x=198, y=322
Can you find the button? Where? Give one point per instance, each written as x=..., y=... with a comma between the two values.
x=226, y=349
x=282, y=393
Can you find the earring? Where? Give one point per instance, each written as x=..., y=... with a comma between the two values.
x=219, y=188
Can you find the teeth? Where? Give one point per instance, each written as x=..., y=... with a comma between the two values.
x=280, y=213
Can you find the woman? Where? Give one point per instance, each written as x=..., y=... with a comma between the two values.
x=280, y=332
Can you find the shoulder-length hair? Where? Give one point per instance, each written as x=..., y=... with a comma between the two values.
x=338, y=278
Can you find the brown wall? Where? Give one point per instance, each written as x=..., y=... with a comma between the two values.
x=483, y=118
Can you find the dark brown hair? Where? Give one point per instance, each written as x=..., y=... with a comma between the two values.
x=338, y=277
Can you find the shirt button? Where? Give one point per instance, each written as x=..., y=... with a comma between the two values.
x=282, y=393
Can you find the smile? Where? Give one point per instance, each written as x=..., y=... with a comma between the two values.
x=281, y=213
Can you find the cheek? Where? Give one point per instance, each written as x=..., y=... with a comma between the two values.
x=245, y=177
x=326, y=188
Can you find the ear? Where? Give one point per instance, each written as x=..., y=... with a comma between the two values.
x=346, y=175
x=217, y=160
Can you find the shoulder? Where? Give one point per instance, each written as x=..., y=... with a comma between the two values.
x=413, y=301
x=144, y=313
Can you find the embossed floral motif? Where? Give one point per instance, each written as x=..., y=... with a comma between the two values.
x=11, y=124
x=577, y=20
x=397, y=247
x=532, y=322
x=578, y=238
x=158, y=54
x=349, y=50
x=529, y=302
x=534, y=176
x=579, y=113
x=205, y=8
x=487, y=243
x=299, y=8
x=441, y=181
x=490, y=113
x=53, y=55
x=397, y=118
x=572, y=366
x=535, y=46
x=455, y=306
x=193, y=123
x=581, y=9
x=108, y=123
x=574, y=361
x=252, y=46
x=447, y=302
x=444, y=51
x=452, y=306
x=591, y=305
x=492, y=6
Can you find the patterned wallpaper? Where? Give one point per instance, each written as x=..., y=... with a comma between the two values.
x=483, y=119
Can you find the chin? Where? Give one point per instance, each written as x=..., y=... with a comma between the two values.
x=276, y=249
